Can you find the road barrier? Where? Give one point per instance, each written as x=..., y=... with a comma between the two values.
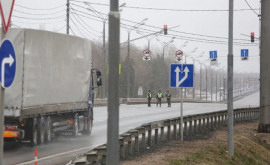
x=151, y=135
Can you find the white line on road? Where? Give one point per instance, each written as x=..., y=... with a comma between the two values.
x=52, y=156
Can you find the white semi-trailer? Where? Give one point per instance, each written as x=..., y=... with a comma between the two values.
x=52, y=92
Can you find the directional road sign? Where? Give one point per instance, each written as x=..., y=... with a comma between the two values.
x=244, y=54
x=213, y=55
x=182, y=75
x=6, y=7
x=8, y=64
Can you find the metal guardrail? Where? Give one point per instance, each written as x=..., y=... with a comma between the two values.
x=103, y=102
x=139, y=140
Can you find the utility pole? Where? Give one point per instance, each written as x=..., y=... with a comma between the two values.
x=206, y=83
x=230, y=81
x=128, y=68
x=264, y=125
x=211, y=83
x=216, y=84
x=200, y=81
x=193, y=89
x=67, y=17
x=3, y=35
x=104, y=60
x=112, y=152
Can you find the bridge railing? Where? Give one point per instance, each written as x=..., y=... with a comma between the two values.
x=151, y=135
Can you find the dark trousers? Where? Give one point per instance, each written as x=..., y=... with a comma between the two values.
x=159, y=102
x=169, y=102
x=149, y=102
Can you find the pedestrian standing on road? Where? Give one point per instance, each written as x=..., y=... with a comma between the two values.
x=168, y=96
x=159, y=97
x=149, y=97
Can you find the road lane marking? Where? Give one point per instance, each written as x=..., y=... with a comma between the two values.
x=56, y=155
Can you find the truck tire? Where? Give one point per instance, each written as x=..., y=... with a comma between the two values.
x=34, y=132
x=48, y=130
x=75, y=125
x=41, y=130
x=88, y=124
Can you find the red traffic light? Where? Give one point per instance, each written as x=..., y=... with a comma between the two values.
x=165, y=30
x=252, y=36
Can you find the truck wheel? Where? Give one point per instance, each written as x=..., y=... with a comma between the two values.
x=34, y=140
x=41, y=125
x=88, y=123
x=48, y=130
x=76, y=125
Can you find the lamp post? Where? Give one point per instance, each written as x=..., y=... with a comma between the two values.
x=193, y=51
x=205, y=81
x=149, y=39
x=197, y=59
x=165, y=44
x=129, y=30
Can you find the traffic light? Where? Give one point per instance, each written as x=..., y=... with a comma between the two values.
x=99, y=81
x=165, y=30
x=252, y=36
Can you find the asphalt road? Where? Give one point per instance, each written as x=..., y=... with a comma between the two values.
x=63, y=149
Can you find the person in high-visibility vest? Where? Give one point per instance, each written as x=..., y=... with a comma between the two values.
x=149, y=97
x=159, y=97
x=168, y=96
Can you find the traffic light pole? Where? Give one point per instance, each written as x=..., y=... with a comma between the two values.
x=112, y=152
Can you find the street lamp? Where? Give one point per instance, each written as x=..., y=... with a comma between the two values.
x=149, y=39
x=165, y=44
x=201, y=63
x=193, y=51
x=129, y=30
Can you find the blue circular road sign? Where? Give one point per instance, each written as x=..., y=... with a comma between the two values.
x=8, y=64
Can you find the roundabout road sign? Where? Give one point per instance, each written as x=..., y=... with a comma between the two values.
x=8, y=64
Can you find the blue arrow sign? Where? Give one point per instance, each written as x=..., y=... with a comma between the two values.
x=213, y=54
x=182, y=75
x=8, y=64
x=244, y=52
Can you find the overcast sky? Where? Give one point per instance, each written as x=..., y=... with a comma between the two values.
x=202, y=24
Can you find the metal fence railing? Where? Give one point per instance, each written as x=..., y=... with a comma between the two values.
x=151, y=135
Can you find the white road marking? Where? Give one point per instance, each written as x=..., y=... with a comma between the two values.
x=52, y=156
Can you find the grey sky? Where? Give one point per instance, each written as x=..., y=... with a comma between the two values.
x=209, y=23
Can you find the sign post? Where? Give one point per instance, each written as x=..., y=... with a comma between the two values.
x=6, y=7
x=181, y=76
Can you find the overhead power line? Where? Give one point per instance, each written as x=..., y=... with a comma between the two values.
x=82, y=25
x=251, y=8
x=41, y=18
x=40, y=14
x=166, y=9
x=194, y=34
x=53, y=8
x=84, y=22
